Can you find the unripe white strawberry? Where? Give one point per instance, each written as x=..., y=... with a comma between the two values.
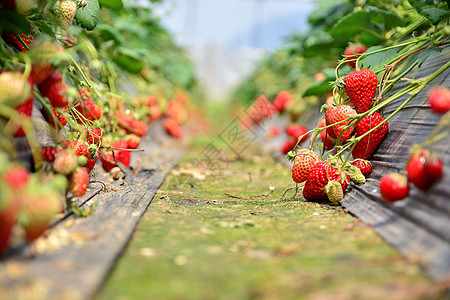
x=14, y=90
x=334, y=191
x=356, y=175
x=65, y=11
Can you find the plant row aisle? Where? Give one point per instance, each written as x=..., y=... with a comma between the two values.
x=92, y=117
x=363, y=117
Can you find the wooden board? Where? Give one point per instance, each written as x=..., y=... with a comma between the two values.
x=73, y=261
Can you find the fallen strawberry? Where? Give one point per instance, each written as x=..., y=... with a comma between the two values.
x=393, y=187
x=439, y=100
x=65, y=162
x=78, y=182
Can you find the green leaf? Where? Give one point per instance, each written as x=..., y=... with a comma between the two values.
x=44, y=27
x=351, y=25
x=420, y=4
x=386, y=18
x=423, y=55
x=377, y=61
x=113, y=4
x=436, y=15
x=317, y=88
x=109, y=33
x=129, y=60
x=87, y=17
x=13, y=22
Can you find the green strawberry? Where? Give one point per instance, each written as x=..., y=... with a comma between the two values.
x=14, y=89
x=334, y=191
x=65, y=11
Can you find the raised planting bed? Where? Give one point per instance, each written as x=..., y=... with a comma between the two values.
x=72, y=261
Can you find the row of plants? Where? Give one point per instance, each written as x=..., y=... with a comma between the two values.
x=355, y=54
x=80, y=82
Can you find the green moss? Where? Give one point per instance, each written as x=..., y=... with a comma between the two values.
x=227, y=237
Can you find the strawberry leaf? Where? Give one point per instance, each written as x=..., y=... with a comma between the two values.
x=436, y=15
x=376, y=61
x=87, y=16
x=113, y=4
x=427, y=53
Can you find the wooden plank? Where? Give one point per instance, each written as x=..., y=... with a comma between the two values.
x=73, y=261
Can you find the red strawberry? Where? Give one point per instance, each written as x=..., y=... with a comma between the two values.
x=176, y=110
x=337, y=114
x=288, y=145
x=364, y=165
x=54, y=78
x=303, y=163
x=107, y=160
x=95, y=135
x=89, y=110
x=393, y=187
x=434, y=167
x=274, y=131
x=65, y=11
x=16, y=177
x=151, y=101
x=133, y=141
x=56, y=95
x=11, y=39
x=65, y=162
x=79, y=147
x=424, y=169
x=173, y=128
x=41, y=54
x=328, y=141
x=155, y=113
x=59, y=121
x=25, y=109
x=78, y=182
x=321, y=174
x=40, y=72
x=92, y=159
x=352, y=49
x=361, y=86
x=439, y=100
x=367, y=146
x=49, y=152
x=282, y=99
x=9, y=206
x=122, y=156
x=296, y=131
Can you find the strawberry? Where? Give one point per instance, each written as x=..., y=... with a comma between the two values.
x=89, y=110
x=296, y=131
x=367, y=145
x=282, y=99
x=393, y=187
x=353, y=49
x=361, y=86
x=155, y=113
x=107, y=160
x=173, y=128
x=133, y=141
x=37, y=210
x=80, y=148
x=336, y=114
x=65, y=11
x=434, y=167
x=49, y=153
x=78, y=182
x=53, y=79
x=14, y=89
x=42, y=54
x=25, y=109
x=303, y=163
x=11, y=39
x=322, y=173
x=95, y=135
x=334, y=191
x=328, y=141
x=439, y=100
x=274, y=131
x=59, y=121
x=9, y=207
x=122, y=156
x=16, y=177
x=150, y=101
x=364, y=165
x=423, y=169
x=40, y=72
x=57, y=96
x=356, y=175
x=92, y=158
x=65, y=162
x=176, y=111
x=288, y=145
